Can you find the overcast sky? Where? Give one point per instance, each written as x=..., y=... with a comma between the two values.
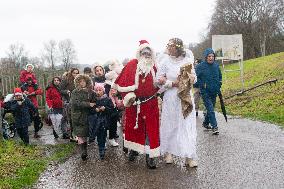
x=101, y=30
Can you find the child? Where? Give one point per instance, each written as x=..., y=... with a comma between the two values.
x=98, y=119
x=26, y=73
x=81, y=102
x=20, y=108
x=114, y=117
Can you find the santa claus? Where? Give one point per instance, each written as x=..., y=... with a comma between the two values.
x=136, y=85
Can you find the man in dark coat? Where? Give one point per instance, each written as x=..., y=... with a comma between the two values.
x=209, y=81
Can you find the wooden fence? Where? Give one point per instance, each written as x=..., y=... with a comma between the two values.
x=10, y=81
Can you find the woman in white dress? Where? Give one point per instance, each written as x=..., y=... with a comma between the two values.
x=177, y=134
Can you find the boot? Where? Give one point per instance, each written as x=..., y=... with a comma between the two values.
x=190, y=162
x=55, y=134
x=102, y=154
x=169, y=158
x=132, y=155
x=84, y=155
x=150, y=162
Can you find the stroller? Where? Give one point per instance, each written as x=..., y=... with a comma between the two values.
x=9, y=129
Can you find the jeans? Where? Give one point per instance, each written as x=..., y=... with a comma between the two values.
x=113, y=127
x=23, y=134
x=97, y=128
x=209, y=103
x=37, y=121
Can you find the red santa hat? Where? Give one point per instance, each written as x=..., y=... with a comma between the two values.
x=18, y=91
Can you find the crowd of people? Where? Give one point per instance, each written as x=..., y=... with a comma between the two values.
x=155, y=99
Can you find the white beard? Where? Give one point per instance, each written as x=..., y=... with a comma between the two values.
x=145, y=65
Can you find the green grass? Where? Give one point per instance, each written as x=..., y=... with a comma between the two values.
x=265, y=103
x=20, y=165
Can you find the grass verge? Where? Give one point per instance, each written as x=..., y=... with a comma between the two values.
x=20, y=165
x=265, y=103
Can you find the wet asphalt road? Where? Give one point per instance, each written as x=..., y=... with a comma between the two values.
x=246, y=154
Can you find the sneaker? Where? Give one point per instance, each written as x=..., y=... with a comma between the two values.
x=190, y=162
x=113, y=143
x=215, y=131
x=169, y=158
x=206, y=126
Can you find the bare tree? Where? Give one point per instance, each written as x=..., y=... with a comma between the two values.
x=259, y=21
x=16, y=53
x=67, y=53
x=50, y=53
x=36, y=61
x=269, y=15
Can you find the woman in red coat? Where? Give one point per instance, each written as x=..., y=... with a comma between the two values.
x=55, y=105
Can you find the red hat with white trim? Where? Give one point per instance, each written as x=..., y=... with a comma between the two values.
x=18, y=91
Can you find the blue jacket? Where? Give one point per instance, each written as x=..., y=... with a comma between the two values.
x=209, y=76
x=21, y=113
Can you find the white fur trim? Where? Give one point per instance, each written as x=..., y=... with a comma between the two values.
x=109, y=82
x=152, y=152
x=127, y=98
x=129, y=88
x=143, y=46
x=142, y=148
x=18, y=94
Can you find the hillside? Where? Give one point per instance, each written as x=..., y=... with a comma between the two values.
x=265, y=103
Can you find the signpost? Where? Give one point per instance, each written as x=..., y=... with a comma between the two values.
x=229, y=48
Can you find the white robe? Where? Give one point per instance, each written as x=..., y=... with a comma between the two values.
x=177, y=135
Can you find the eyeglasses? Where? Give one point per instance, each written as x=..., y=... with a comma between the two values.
x=145, y=54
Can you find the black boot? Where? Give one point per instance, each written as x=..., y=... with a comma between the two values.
x=132, y=155
x=102, y=154
x=150, y=162
x=84, y=155
x=55, y=134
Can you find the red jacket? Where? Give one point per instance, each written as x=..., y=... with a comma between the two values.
x=53, y=97
x=29, y=89
x=24, y=75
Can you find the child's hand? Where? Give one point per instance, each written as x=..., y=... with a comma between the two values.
x=97, y=109
x=92, y=104
x=102, y=108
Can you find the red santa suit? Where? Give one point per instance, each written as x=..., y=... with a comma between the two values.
x=142, y=117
